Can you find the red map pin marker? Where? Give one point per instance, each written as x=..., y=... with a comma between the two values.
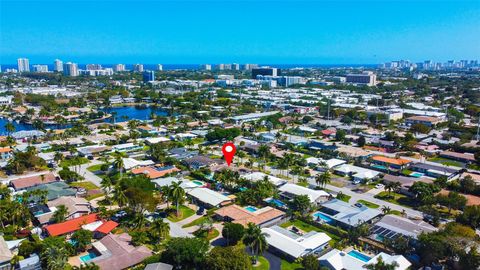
x=229, y=150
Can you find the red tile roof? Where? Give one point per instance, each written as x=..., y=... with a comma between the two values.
x=107, y=227
x=70, y=226
x=31, y=181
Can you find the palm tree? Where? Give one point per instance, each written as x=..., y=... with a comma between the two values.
x=119, y=196
x=58, y=157
x=106, y=186
x=56, y=257
x=86, y=266
x=166, y=194
x=118, y=163
x=392, y=186
x=386, y=209
x=264, y=152
x=14, y=261
x=255, y=239
x=177, y=193
x=161, y=229
x=323, y=179
x=60, y=214
x=10, y=128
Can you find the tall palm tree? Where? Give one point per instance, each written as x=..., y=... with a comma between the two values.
x=56, y=257
x=177, y=193
x=118, y=163
x=106, y=186
x=264, y=152
x=386, y=209
x=119, y=196
x=161, y=229
x=255, y=239
x=323, y=179
x=86, y=266
x=166, y=194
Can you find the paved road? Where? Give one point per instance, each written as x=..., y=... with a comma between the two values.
x=177, y=230
x=275, y=262
x=88, y=175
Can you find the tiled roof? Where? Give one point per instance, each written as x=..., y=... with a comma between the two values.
x=107, y=227
x=242, y=216
x=395, y=161
x=30, y=181
x=70, y=226
x=153, y=173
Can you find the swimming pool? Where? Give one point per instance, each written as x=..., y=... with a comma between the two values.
x=276, y=202
x=198, y=183
x=362, y=257
x=91, y=255
x=416, y=174
x=251, y=208
x=381, y=167
x=318, y=215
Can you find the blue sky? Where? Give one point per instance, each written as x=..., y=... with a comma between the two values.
x=288, y=31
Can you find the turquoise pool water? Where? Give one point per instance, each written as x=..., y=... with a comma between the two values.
x=381, y=167
x=323, y=217
x=251, y=208
x=198, y=183
x=276, y=202
x=88, y=257
x=416, y=174
x=362, y=257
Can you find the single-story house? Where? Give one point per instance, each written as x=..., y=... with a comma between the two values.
x=76, y=207
x=340, y=260
x=435, y=171
x=394, y=163
x=200, y=161
x=294, y=246
x=208, y=198
x=154, y=172
x=5, y=153
x=257, y=176
x=358, y=174
x=93, y=150
x=185, y=184
x=347, y=215
x=405, y=182
x=392, y=227
x=155, y=140
x=263, y=217
x=126, y=147
x=463, y=157
x=130, y=163
x=55, y=190
x=89, y=222
x=425, y=120
x=289, y=191
x=181, y=153
x=114, y=251
x=22, y=183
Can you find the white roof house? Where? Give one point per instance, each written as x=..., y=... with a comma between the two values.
x=257, y=176
x=347, y=214
x=402, y=262
x=168, y=181
x=288, y=190
x=295, y=245
x=130, y=163
x=333, y=162
x=208, y=196
x=154, y=140
x=340, y=260
x=356, y=172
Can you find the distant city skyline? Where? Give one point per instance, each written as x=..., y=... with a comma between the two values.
x=244, y=31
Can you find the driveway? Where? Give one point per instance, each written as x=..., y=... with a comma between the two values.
x=88, y=175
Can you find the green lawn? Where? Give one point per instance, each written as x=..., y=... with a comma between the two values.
x=291, y=266
x=185, y=212
x=263, y=264
x=85, y=184
x=446, y=161
x=396, y=198
x=197, y=221
x=345, y=198
x=95, y=168
x=93, y=196
x=369, y=204
x=214, y=233
x=73, y=161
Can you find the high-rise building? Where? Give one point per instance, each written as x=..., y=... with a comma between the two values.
x=58, y=65
x=93, y=67
x=138, y=68
x=23, y=65
x=70, y=69
x=149, y=76
x=235, y=66
x=206, y=67
x=367, y=78
x=249, y=66
x=119, y=68
x=40, y=68
x=265, y=71
x=220, y=67
x=159, y=67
